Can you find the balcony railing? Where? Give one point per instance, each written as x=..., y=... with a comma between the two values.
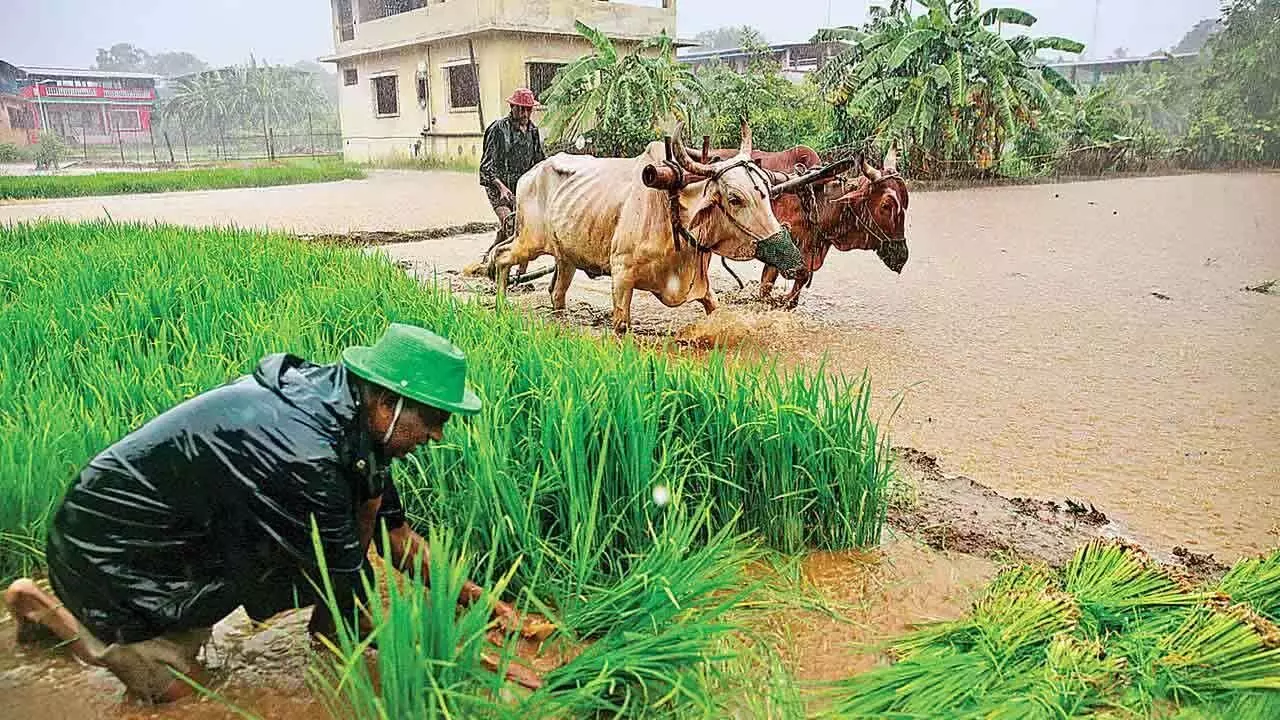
x=95, y=91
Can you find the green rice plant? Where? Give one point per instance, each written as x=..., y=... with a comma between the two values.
x=1216, y=651
x=1112, y=583
x=429, y=660
x=18, y=187
x=108, y=324
x=1256, y=581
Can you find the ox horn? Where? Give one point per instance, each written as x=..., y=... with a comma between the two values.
x=872, y=174
x=746, y=139
x=682, y=155
x=820, y=174
x=891, y=160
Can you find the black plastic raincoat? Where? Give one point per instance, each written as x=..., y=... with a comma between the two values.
x=209, y=506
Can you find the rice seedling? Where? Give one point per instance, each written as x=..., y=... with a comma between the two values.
x=1113, y=583
x=19, y=187
x=1256, y=581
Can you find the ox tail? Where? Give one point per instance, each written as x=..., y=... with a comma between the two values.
x=725, y=263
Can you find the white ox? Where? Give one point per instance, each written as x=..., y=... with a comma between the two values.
x=597, y=215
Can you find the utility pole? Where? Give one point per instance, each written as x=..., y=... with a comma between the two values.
x=1093, y=39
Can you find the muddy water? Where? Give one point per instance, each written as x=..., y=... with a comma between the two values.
x=1032, y=352
x=261, y=670
x=879, y=595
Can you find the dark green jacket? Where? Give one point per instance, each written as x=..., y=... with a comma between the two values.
x=509, y=153
x=209, y=506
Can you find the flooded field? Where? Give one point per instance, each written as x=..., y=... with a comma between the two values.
x=1091, y=341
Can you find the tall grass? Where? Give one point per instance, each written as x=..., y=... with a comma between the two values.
x=1109, y=633
x=18, y=187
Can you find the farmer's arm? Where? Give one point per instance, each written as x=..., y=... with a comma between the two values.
x=409, y=549
x=489, y=157
x=539, y=154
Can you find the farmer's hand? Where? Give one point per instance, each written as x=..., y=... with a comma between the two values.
x=505, y=194
x=530, y=627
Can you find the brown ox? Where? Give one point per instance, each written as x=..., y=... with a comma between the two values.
x=596, y=215
x=868, y=213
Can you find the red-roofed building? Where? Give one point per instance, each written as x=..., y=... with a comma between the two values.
x=90, y=107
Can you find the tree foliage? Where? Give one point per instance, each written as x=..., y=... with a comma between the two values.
x=733, y=36
x=945, y=85
x=1236, y=117
x=124, y=57
x=619, y=102
x=782, y=114
x=253, y=98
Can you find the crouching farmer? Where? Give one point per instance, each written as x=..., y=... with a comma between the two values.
x=210, y=506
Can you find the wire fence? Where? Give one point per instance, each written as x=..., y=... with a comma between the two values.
x=171, y=146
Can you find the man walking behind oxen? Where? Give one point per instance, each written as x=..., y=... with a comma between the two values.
x=210, y=506
x=512, y=145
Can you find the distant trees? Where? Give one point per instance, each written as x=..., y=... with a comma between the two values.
x=125, y=57
x=733, y=36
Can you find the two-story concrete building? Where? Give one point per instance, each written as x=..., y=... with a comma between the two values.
x=424, y=76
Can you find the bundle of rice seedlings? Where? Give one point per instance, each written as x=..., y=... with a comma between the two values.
x=958, y=668
x=1216, y=651
x=1112, y=583
x=1256, y=581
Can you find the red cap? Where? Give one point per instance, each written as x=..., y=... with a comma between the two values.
x=522, y=97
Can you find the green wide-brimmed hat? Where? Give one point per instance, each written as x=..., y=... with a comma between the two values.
x=417, y=364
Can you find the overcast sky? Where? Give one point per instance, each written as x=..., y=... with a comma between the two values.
x=67, y=32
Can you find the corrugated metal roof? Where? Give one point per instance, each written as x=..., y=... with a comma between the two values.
x=45, y=70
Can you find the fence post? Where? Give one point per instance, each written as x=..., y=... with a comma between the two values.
x=271, y=144
x=120, y=144
x=84, y=143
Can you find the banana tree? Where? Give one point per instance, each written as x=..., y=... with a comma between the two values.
x=620, y=101
x=946, y=85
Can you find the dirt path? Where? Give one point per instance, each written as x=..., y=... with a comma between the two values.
x=386, y=200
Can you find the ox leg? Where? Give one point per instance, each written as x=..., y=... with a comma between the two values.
x=622, y=291
x=709, y=302
x=767, y=279
x=792, y=299
x=560, y=286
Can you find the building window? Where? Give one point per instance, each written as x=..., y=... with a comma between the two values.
x=422, y=89
x=125, y=120
x=346, y=22
x=463, y=89
x=350, y=77
x=540, y=77
x=386, y=96
x=376, y=9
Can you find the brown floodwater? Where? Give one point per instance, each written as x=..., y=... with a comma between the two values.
x=1090, y=341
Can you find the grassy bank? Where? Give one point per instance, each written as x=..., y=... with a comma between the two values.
x=19, y=187
x=552, y=487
